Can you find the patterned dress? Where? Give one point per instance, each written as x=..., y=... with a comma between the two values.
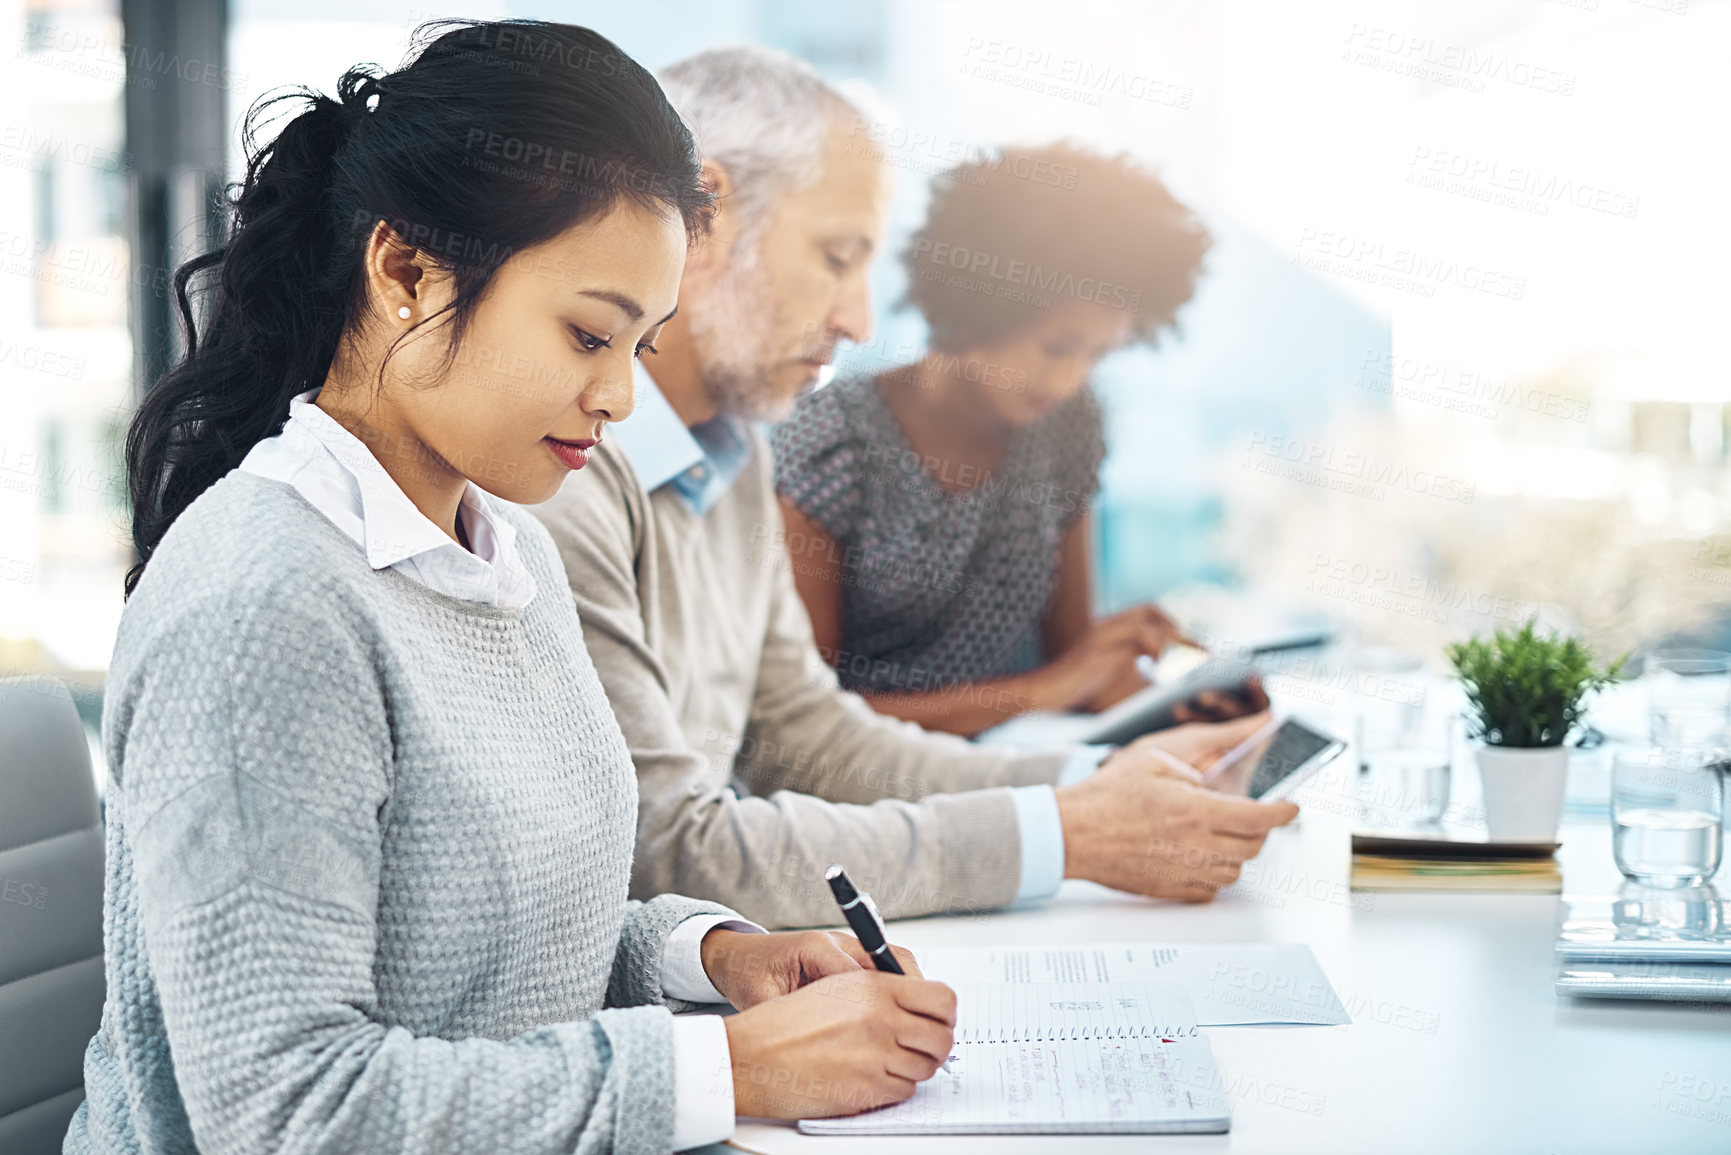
x=942, y=586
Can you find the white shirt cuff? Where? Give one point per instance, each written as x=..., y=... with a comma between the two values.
x=702, y=1081
x=1042, y=841
x=1082, y=763
x=682, y=973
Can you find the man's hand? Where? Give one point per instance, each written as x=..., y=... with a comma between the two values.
x=846, y=1043
x=752, y=968
x=1144, y=823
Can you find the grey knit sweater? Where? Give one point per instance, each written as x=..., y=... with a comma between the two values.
x=368, y=853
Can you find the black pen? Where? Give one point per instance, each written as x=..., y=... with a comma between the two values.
x=862, y=917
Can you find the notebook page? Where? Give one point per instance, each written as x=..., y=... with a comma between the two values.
x=1089, y=1057
x=1051, y=1012
x=1139, y=1085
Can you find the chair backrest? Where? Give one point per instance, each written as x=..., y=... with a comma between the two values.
x=51, y=984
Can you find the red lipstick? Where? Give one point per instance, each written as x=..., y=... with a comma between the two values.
x=572, y=454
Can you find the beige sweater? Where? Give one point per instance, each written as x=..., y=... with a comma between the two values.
x=754, y=771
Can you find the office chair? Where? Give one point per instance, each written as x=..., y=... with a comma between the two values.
x=51, y=863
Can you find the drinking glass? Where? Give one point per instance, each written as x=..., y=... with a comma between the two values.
x=1667, y=807
x=1689, y=697
x=1405, y=731
x=1390, y=695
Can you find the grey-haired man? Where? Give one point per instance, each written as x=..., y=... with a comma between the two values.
x=754, y=771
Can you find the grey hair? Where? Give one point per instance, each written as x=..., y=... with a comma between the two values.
x=762, y=115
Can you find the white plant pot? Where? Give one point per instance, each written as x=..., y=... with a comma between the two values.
x=1523, y=789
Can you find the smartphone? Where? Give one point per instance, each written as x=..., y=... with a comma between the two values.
x=1251, y=745
x=1275, y=761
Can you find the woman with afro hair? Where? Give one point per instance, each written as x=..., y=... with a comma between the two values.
x=937, y=514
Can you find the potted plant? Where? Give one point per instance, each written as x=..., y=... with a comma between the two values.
x=1525, y=693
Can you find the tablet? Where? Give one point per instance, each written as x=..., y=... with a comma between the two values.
x=1156, y=707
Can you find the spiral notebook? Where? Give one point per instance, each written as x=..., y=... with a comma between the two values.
x=1062, y=1058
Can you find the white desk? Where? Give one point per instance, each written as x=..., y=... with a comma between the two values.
x=1458, y=1044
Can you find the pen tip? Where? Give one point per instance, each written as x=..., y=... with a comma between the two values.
x=832, y=874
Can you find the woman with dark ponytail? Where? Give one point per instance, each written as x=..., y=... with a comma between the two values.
x=370, y=819
x=277, y=313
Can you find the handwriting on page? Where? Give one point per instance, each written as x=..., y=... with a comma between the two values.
x=1035, y=1084
x=1061, y=1057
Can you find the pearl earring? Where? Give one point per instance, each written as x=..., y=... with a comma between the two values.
x=403, y=312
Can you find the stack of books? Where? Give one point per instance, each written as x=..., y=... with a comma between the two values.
x=1452, y=862
x=1652, y=947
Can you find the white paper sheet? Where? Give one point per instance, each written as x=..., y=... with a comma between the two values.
x=1229, y=984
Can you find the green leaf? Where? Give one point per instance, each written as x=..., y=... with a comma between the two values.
x=1526, y=690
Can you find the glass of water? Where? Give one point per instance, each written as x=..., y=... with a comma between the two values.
x=1667, y=807
x=1405, y=732
x=1688, y=697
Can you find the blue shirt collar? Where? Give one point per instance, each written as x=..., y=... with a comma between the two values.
x=701, y=463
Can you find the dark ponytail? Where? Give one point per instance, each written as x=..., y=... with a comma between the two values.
x=496, y=137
